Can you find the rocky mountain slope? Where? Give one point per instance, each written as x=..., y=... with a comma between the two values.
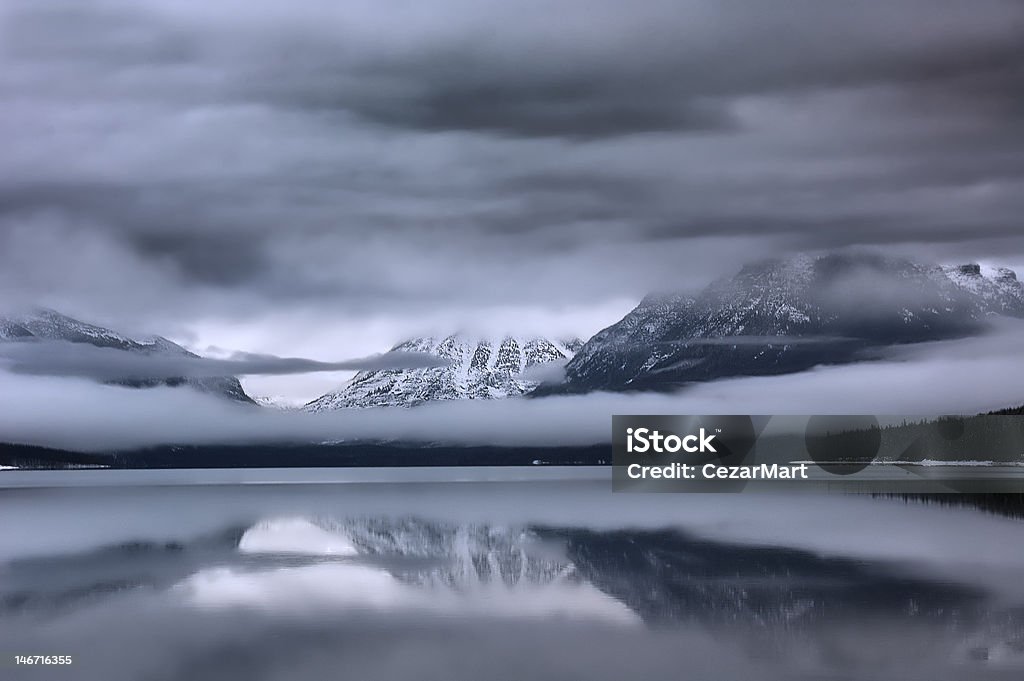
x=50, y=325
x=479, y=368
x=783, y=316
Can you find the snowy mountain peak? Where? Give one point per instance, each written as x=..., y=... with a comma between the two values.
x=479, y=368
x=1005, y=274
x=786, y=315
x=50, y=325
x=277, y=402
x=997, y=287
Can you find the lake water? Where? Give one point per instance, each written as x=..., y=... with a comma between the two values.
x=502, y=574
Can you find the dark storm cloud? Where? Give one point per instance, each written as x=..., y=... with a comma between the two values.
x=583, y=70
x=174, y=159
x=208, y=257
x=575, y=110
x=61, y=358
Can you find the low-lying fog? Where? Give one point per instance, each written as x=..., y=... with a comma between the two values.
x=963, y=376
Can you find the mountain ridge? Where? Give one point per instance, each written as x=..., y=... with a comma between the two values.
x=479, y=368
x=47, y=324
x=786, y=315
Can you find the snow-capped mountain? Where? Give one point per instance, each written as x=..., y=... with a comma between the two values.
x=50, y=325
x=278, y=402
x=997, y=287
x=479, y=368
x=783, y=316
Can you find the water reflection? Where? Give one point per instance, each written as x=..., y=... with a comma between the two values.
x=301, y=596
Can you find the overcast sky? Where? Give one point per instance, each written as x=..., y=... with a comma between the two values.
x=322, y=178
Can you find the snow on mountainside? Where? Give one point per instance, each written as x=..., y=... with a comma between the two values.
x=50, y=325
x=998, y=287
x=278, y=402
x=783, y=316
x=479, y=369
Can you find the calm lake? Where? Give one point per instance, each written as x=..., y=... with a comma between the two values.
x=487, y=574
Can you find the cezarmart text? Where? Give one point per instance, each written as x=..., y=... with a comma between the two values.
x=714, y=471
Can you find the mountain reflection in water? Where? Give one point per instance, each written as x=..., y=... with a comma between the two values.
x=319, y=595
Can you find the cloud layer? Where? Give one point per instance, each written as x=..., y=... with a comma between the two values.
x=332, y=177
x=61, y=358
x=964, y=376
x=240, y=156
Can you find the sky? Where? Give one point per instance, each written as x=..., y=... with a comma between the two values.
x=325, y=178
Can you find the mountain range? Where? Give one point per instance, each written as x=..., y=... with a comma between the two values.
x=772, y=317
x=44, y=324
x=784, y=316
x=478, y=368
